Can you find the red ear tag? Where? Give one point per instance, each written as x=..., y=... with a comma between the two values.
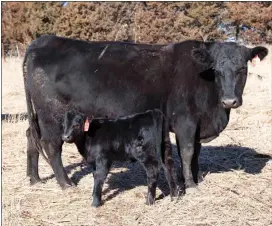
x=255, y=60
x=86, y=125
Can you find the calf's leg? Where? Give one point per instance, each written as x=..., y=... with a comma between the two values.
x=176, y=188
x=102, y=169
x=151, y=167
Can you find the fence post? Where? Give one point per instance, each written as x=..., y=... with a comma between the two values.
x=3, y=52
x=18, y=53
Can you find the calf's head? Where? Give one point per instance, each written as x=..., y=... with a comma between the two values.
x=228, y=63
x=73, y=126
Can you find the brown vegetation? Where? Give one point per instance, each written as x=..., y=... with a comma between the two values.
x=146, y=22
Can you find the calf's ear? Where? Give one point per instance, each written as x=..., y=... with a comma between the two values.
x=202, y=56
x=259, y=51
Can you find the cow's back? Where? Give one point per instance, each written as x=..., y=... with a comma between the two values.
x=100, y=78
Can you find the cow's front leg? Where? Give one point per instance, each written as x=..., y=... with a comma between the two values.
x=176, y=188
x=197, y=175
x=185, y=131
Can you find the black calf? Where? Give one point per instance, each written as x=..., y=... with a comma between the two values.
x=137, y=137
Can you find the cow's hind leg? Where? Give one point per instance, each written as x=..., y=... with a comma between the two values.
x=53, y=149
x=176, y=188
x=32, y=160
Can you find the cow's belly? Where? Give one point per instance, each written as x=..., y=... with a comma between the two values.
x=53, y=103
x=116, y=105
x=207, y=140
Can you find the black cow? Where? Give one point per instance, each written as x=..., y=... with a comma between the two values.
x=103, y=141
x=194, y=84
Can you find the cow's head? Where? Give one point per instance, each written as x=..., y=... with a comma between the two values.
x=228, y=62
x=73, y=126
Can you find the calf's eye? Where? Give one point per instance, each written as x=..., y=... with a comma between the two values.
x=243, y=71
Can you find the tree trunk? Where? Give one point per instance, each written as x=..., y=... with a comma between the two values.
x=237, y=27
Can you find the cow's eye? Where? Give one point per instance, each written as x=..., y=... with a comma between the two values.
x=217, y=73
x=243, y=70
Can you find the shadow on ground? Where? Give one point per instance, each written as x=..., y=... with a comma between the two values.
x=213, y=159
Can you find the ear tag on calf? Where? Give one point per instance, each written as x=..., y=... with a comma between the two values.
x=256, y=60
x=86, y=125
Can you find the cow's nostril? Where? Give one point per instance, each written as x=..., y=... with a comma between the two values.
x=66, y=137
x=223, y=103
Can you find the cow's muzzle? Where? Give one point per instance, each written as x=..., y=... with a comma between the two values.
x=67, y=138
x=230, y=103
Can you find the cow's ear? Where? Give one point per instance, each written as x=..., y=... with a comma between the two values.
x=202, y=57
x=259, y=51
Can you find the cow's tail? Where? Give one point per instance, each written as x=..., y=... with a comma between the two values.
x=35, y=135
x=159, y=121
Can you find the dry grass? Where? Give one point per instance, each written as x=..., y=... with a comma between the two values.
x=236, y=190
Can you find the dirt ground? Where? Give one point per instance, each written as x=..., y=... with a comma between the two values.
x=237, y=188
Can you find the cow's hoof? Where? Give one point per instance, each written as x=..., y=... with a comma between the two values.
x=66, y=185
x=150, y=200
x=200, y=178
x=191, y=190
x=190, y=184
x=96, y=203
x=34, y=181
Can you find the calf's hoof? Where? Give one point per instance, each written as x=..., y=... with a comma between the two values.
x=177, y=193
x=180, y=190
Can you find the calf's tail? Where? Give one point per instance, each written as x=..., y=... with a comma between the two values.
x=35, y=135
